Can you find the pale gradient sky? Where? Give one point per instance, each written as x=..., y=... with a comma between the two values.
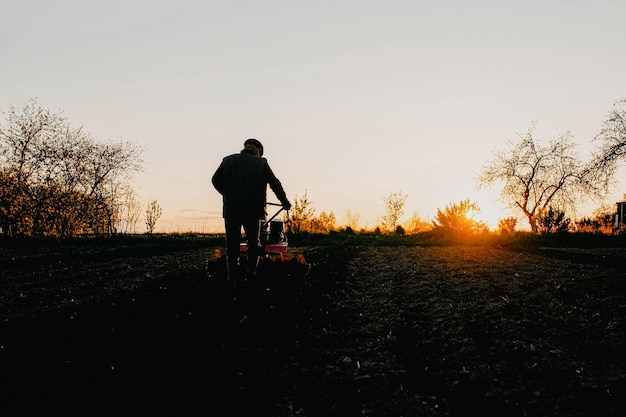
x=353, y=100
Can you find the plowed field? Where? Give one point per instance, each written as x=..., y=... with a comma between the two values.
x=324, y=331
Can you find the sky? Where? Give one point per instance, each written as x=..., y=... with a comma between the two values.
x=352, y=100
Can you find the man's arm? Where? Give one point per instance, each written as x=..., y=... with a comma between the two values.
x=276, y=187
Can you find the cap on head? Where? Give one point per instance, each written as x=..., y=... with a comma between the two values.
x=254, y=143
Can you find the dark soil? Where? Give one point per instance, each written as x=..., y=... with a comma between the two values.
x=106, y=329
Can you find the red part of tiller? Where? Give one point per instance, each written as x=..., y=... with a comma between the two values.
x=273, y=237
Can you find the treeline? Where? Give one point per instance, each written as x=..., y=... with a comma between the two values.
x=57, y=180
x=541, y=182
x=458, y=219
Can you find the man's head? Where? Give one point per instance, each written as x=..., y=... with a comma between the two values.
x=253, y=145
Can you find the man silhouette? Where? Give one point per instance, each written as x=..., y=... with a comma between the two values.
x=242, y=180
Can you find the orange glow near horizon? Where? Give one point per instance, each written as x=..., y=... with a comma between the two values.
x=490, y=215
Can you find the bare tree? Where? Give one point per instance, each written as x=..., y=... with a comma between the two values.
x=153, y=213
x=57, y=180
x=111, y=167
x=612, y=139
x=129, y=213
x=536, y=177
x=21, y=142
x=394, y=210
x=352, y=220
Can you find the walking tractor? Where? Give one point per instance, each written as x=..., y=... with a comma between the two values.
x=273, y=237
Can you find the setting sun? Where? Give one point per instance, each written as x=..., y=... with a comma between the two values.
x=491, y=213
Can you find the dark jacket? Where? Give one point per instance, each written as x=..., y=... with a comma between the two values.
x=242, y=180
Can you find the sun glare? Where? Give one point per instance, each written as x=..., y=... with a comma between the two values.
x=489, y=212
x=490, y=215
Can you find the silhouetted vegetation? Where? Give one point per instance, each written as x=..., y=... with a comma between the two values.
x=439, y=237
x=507, y=225
x=300, y=215
x=56, y=180
x=153, y=213
x=536, y=177
x=612, y=139
x=552, y=221
x=458, y=219
x=394, y=210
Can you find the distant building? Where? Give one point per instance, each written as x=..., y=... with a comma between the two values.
x=620, y=213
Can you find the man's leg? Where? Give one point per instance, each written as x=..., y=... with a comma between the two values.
x=252, y=228
x=233, y=239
